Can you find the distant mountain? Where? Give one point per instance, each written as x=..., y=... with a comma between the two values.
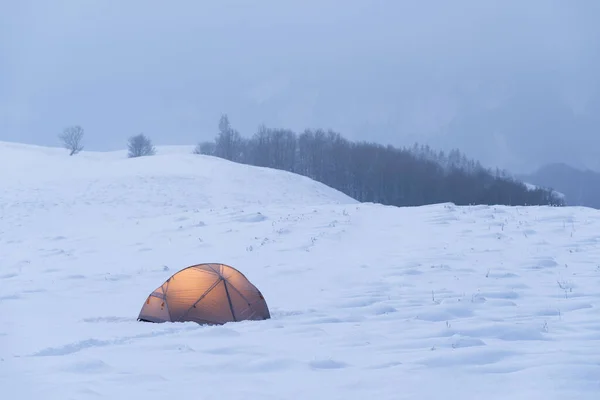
x=580, y=187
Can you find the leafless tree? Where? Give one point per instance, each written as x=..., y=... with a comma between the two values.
x=228, y=143
x=71, y=139
x=139, y=146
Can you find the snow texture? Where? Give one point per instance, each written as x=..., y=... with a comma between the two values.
x=367, y=301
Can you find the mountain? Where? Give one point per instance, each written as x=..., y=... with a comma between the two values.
x=581, y=187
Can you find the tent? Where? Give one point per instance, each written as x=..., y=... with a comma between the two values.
x=207, y=294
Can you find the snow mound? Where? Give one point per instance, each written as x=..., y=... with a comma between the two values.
x=174, y=178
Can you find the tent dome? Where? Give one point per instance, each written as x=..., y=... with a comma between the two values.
x=207, y=294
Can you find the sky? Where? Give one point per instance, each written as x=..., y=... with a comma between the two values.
x=514, y=84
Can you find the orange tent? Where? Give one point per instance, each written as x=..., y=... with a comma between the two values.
x=207, y=294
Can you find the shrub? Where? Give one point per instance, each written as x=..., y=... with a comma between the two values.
x=139, y=146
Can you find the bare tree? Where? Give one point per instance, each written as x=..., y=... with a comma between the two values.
x=139, y=146
x=71, y=139
x=228, y=143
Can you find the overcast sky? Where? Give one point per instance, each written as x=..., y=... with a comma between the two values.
x=513, y=83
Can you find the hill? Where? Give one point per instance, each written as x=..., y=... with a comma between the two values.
x=580, y=187
x=174, y=178
x=366, y=300
x=372, y=172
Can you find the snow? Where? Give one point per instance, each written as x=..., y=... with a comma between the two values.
x=367, y=301
x=556, y=194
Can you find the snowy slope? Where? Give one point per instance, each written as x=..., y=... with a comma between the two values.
x=367, y=301
x=555, y=194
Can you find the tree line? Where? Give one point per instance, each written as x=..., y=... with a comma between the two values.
x=371, y=172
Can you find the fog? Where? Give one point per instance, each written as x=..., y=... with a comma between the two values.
x=514, y=84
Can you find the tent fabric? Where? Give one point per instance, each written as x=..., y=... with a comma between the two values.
x=211, y=294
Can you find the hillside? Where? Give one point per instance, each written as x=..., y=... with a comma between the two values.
x=374, y=173
x=174, y=179
x=580, y=187
x=367, y=301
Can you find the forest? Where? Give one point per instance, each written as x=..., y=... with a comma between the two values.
x=372, y=172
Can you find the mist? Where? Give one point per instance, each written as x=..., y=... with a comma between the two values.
x=514, y=84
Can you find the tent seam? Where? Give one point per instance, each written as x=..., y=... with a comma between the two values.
x=214, y=285
x=229, y=300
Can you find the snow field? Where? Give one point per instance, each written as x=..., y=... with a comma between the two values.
x=367, y=301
